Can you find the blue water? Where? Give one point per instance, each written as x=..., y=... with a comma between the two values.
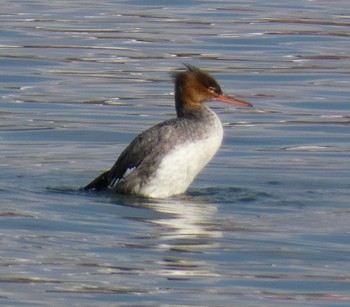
x=267, y=221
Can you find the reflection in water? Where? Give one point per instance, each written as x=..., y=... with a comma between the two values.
x=181, y=218
x=186, y=219
x=186, y=227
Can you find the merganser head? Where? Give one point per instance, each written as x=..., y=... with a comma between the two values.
x=194, y=86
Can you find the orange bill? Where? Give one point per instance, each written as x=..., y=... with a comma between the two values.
x=228, y=99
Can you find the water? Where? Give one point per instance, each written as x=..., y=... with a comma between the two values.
x=265, y=224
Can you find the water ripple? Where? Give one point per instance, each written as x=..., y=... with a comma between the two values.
x=266, y=223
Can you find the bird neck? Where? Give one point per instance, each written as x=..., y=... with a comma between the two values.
x=185, y=105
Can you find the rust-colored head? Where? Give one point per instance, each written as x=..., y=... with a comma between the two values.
x=194, y=86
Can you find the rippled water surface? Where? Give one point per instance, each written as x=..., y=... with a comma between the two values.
x=265, y=224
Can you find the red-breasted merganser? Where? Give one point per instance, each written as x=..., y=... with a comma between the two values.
x=163, y=160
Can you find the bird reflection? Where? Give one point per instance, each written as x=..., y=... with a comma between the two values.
x=186, y=222
x=186, y=229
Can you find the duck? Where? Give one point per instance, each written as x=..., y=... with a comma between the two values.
x=163, y=160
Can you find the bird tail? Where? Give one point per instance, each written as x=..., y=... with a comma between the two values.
x=99, y=183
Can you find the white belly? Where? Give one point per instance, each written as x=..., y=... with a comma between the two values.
x=179, y=167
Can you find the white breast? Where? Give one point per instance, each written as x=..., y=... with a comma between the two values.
x=179, y=167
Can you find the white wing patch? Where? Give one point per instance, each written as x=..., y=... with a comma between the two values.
x=117, y=180
x=127, y=172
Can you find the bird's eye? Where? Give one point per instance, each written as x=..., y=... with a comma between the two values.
x=212, y=89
